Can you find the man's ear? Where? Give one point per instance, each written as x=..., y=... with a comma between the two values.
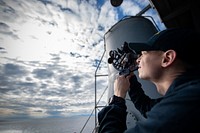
x=168, y=58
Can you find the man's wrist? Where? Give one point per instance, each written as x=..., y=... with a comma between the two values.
x=116, y=99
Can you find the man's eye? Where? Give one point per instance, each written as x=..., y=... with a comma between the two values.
x=138, y=55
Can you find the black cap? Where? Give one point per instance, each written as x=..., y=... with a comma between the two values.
x=185, y=42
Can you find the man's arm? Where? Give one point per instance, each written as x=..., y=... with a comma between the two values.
x=141, y=101
x=112, y=118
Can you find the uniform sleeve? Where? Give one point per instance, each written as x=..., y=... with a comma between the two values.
x=141, y=101
x=112, y=118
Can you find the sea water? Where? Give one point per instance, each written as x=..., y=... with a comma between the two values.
x=49, y=125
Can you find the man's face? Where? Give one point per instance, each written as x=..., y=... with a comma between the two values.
x=149, y=64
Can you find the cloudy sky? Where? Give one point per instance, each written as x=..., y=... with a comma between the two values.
x=49, y=51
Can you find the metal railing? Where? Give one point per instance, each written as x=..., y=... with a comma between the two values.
x=96, y=107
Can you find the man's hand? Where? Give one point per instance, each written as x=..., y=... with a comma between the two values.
x=121, y=85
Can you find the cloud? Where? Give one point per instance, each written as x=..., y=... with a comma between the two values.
x=6, y=31
x=50, y=86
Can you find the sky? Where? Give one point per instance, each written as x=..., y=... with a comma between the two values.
x=49, y=52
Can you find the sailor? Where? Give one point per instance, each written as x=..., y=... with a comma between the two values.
x=170, y=61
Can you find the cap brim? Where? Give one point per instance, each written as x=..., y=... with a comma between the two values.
x=138, y=47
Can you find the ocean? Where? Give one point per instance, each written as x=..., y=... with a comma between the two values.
x=73, y=124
